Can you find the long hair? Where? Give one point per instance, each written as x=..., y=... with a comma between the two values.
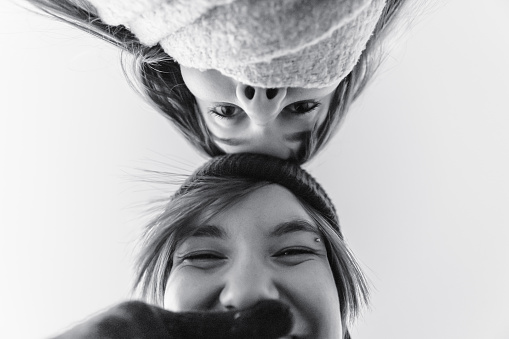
x=210, y=196
x=157, y=77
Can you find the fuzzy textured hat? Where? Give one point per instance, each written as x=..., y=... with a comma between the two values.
x=262, y=167
x=265, y=43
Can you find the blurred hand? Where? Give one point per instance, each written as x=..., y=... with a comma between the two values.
x=135, y=319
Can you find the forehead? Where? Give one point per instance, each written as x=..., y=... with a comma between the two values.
x=263, y=209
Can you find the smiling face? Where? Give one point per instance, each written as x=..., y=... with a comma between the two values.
x=249, y=119
x=263, y=247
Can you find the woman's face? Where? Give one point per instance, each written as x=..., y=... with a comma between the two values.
x=263, y=247
x=249, y=119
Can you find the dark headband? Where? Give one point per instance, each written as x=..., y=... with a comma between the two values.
x=267, y=168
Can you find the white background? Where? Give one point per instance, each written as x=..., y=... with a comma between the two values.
x=418, y=172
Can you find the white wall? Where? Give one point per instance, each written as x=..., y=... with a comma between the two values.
x=418, y=174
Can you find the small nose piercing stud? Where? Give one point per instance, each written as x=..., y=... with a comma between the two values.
x=318, y=239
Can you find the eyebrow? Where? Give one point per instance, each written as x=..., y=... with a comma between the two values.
x=293, y=226
x=210, y=231
x=291, y=137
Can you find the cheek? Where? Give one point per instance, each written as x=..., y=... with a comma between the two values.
x=208, y=85
x=186, y=291
x=319, y=302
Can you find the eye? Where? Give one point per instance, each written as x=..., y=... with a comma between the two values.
x=294, y=251
x=225, y=111
x=206, y=259
x=294, y=255
x=202, y=256
x=302, y=107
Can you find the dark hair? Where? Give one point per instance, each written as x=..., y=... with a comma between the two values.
x=208, y=197
x=157, y=77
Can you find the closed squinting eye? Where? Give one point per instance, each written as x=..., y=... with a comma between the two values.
x=294, y=255
x=202, y=256
x=201, y=259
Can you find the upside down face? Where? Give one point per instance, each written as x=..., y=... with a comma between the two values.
x=246, y=119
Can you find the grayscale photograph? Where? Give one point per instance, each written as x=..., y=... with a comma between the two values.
x=254, y=169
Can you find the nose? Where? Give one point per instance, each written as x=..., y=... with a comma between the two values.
x=246, y=285
x=262, y=105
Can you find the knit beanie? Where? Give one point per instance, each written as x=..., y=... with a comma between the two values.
x=262, y=167
x=264, y=43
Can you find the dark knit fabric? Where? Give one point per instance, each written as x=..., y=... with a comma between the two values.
x=268, y=319
x=267, y=168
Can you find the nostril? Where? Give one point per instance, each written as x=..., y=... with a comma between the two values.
x=271, y=93
x=249, y=92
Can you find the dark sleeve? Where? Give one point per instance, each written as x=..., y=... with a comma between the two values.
x=135, y=319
